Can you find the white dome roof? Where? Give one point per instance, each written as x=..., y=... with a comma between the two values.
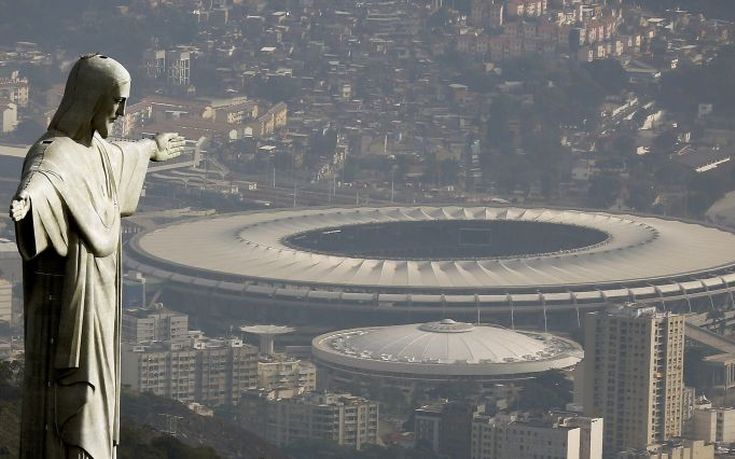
x=446, y=348
x=448, y=341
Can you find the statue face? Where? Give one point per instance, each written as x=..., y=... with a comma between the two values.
x=110, y=107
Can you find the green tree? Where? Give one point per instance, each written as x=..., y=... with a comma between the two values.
x=609, y=73
x=11, y=374
x=138, y=442
x=551, y=390
x=604, y=189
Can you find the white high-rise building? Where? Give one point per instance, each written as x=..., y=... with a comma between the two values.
x=633, y=375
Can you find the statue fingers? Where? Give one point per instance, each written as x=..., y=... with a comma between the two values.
x=176, y=147
x=176, y=142
x=18, y=210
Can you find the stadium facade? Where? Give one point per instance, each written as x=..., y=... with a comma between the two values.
x=429, y=262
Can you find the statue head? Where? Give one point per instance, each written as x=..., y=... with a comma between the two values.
x=94, y=97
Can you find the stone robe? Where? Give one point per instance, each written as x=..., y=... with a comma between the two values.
x=70, y=243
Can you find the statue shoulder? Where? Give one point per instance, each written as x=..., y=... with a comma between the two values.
x=51, y=146
x=52, y=153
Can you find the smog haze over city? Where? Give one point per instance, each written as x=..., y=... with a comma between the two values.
x=462, y=229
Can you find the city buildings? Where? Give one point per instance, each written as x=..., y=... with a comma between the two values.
x=512, y=436
x=208, y=371
x=141, y=325
x=8, y=116
x=376, y=74
x=427, y=423
x=591, y=434
x=6, y=301
x=158, y=369
x=273, y=119
x=342, y=418
x=278, y=371
x=714, y=425
x=506, y=438
x=224, y=369
x=633, y=375
x=446, y=426
x=15, y=89
x=172, y=65
x=11, y=316
x=462, y=429
x=673, y=449
x=162, y=356
x=10, y=264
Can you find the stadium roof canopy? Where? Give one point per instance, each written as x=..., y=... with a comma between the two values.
x=620, y=251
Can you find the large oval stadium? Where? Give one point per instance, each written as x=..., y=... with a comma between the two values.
x=431, y=261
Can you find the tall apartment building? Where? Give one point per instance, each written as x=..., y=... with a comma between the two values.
x=342, y=418
x=157, y=368
x=143, y=325
x=6, y=301
x=427, y=422
x=633, y=375
x=178, y=67
x=155, y=63
x=172, y=64
x=8, y=116
x=224, y=369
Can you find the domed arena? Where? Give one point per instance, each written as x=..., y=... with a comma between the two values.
x=444, y=349
x=383, y=264
x=438, y=352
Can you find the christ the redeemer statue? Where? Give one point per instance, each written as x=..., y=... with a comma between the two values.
x=74, y=189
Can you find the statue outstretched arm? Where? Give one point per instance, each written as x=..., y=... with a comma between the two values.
x=37, y=211
x=21, y=203
x=130, y=161
x=32, y=235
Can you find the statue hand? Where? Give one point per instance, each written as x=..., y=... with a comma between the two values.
x=170, y=145
x=20, y=206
